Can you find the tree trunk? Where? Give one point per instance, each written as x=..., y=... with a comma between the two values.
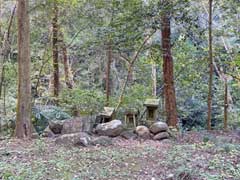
x=210, y=84
x=154, y=80
x=1, y=23
x=23, y=122
x=4, y=99
x=108, y=73
x=225, y=105
x=68, y=79
x=169, y=89
x=130, y=68
x=56, y=83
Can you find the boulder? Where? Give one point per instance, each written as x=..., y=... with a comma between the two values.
x=88, y=122
x=158, y=127
x=44, y=113
x=161, y=135
x=47, y=132
x=56, y=126
x=102, y=141
x=35, y=135
x=129, y=134
x=166, y=141
x=238, y=132
x=71, y=126
x=143, y=132
x=80, y=139
x=112, y=128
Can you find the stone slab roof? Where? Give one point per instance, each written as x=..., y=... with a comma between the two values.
x=152, y=102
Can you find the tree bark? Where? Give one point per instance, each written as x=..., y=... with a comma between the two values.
x=131, y=63
x=168, y=77
x=4, y=99
x=56, y=83
x=225, y=105
x=154, y=80
x=68, y=79
x=108, y=73
x=23, y=122
x=210, y=83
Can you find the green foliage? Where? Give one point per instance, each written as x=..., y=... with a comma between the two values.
x=206, y=139
x=136, y=95
x=86, y=101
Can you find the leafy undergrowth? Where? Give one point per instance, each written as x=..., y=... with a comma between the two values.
x=196, y=155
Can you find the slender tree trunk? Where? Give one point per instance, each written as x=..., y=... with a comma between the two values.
x=225, y=105
x=4, y=99
x=1, y=23
x=168, y=77
x=130, y=68
x=56, y=83
x=68, y=79
x=154, y=79
x=23, y=122
x=210, y=84
x=108, y=73
x=5, y=49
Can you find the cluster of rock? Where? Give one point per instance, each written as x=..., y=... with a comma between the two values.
x=67, y=126
x=157, y=131
x=78, y=131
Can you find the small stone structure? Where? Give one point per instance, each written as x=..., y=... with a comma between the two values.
x=151, y=110
x=131, y=117
x=107, y=114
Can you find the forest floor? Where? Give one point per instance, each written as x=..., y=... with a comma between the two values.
x=196, y=155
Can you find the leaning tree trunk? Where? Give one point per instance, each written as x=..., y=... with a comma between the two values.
x=168, y=77
x=23, y=122
x=210, y=83
x=56, y=83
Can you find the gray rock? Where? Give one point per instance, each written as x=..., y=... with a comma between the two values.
x=129, y=134
x=80, y=139
x=88, y=122
x=112, y=128
x=166, y=141
x=143, y=132
x=238, y=132
x=35, y=135
x=56, y=126
x=72, y=126
x=47, y=132
x=102, y=141
x=158, y=127
x=161, y=135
